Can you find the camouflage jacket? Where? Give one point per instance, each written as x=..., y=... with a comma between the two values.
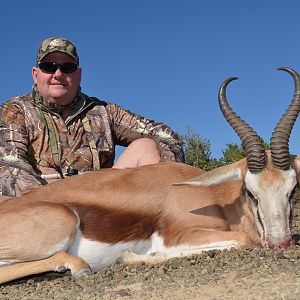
x=38, y=146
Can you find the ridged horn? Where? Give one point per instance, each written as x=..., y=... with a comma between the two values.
x=281, y=134
x=256, y=156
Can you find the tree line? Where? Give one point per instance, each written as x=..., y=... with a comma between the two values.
x=198, y=151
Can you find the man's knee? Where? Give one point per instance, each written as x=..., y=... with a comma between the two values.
x=144, y=143
x=140, y=152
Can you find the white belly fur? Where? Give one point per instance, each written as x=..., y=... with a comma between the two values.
x=100, y=255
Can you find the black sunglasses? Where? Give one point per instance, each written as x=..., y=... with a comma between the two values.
x=51, y=67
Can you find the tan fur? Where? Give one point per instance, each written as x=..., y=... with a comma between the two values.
x=270, y=175
x=30, y=230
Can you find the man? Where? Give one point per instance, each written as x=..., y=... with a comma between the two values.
x=57, y=130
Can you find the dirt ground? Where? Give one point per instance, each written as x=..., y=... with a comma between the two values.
x=253, y=273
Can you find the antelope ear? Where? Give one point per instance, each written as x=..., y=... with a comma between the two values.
x=219, y=175
x=296, y=164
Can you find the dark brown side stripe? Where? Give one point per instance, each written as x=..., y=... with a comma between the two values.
x=112, y=226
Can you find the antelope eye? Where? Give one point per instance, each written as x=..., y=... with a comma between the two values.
x=250, y=194
x=253, y=199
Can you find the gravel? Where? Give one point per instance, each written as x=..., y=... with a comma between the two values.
x=251, y=273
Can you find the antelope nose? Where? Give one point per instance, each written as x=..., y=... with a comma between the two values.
x=287, y=243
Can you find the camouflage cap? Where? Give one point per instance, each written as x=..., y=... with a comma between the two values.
x=56, y=44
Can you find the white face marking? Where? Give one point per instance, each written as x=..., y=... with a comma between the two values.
x=271, y=207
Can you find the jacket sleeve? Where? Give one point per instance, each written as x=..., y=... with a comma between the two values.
x=128, y=127
x=16, y=173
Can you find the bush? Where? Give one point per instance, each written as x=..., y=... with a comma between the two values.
x=198, y=154
x=197, y=151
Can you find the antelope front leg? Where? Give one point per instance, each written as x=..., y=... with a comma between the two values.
x=59, y=262
x=190, y=241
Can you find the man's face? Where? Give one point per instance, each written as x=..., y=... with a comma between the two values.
x=58, y=88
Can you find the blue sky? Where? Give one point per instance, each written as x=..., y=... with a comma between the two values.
x=165, y=59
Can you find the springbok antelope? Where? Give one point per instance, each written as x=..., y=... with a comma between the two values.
x=155, y=212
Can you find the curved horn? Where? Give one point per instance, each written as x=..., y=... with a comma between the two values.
x=256, y=156
x=281, y=134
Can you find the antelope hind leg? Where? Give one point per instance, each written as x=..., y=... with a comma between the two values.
x=59, y=262
x=34, y=238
